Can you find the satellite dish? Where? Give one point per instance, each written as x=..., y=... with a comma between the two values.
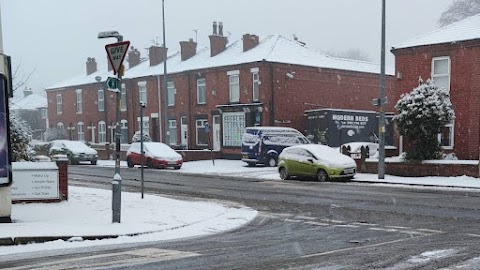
x=98, y=78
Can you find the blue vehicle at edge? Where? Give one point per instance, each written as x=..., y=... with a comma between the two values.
x=263, y=145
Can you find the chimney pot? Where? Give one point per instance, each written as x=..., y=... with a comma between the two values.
x=215, y=28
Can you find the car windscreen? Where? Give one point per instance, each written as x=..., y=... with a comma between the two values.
x=160, y=150
x=283, y=139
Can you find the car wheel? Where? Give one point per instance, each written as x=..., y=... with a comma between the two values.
x=93, y=162
x=150, y=164
x=129, y=163
x=271, y=162
x=251, y=164
x=177, y=167
x=322, y=175
x=284, y=173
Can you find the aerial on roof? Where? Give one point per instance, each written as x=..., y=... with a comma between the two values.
x=467, y=29
x=273, y=48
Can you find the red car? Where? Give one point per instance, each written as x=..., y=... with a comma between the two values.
x=156, y=155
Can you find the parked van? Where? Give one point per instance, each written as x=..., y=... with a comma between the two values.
x=262, y=145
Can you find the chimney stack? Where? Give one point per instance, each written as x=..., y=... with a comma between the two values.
x=188, y=49
x=250, y=42
x=133, y=57
x=220, y=28
x=27, y=92
x=91, y=65
x=218, y=43
x=157, y=55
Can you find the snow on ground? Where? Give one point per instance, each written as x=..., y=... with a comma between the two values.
x=88, y=211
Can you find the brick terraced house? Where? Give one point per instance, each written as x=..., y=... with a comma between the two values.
x=269, y=82
x=451, y=57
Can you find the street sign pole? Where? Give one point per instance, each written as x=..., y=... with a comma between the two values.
x=116, y=54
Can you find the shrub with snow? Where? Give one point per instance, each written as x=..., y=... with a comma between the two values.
x=421, y=115
x=20, y=137
x=52, y=134
x=136, y=137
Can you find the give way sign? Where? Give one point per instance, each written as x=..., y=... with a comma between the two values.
x=116, y=54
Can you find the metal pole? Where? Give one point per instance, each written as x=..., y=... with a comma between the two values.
x=117, y=179
x=381, y=121
x=141, y=146
x=167, y=141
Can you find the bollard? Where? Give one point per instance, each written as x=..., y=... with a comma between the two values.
x=116, y=198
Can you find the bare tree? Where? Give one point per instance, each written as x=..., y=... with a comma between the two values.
x=459, y=10
x=355, y=54
x=20, y=78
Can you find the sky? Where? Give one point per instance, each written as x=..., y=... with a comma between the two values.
x=54, y=38
x=154, y=213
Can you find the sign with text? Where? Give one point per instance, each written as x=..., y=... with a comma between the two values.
x=116, y=54
x=35, y=183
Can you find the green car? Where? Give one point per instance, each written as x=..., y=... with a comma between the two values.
x=315, y=160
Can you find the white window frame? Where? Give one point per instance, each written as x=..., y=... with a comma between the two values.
x=79, y=101
x=441, y=75
x=172, y=130
x=234, y=86
x=201, y=91
x=146, y=125
x=101, y=100
x=59, y=104
x=142, y=92
x=102, y=132
x=80, y=131
x=233, y=125
x=43, y=111
x=255, y=84
x=123, y=98
x=200, y=124
x=451, y=140
x=171, y=91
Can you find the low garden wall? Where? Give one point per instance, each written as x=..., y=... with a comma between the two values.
x=426, y=168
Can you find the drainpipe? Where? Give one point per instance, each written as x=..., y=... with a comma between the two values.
x=272, y=98
x=189, y=112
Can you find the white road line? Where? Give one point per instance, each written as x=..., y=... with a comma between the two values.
x=345, y=226
x=429, y=230
x=332, y=220
x=305, y=217
x=365, y=224
x=317, y=223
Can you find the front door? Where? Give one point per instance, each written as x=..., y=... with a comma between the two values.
x=216, y=133
x=184, y=132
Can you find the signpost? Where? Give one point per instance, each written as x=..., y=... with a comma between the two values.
x=116, y=54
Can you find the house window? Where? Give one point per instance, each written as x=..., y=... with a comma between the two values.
x=44, y=113
x=233, y=128
x=201, y=91
x=234, y=85
x=60, y=126
x=101, y=100
x=202, y=135
x=446, y=136
x=172, y=131
x=171, y=93
x=256, y=85
x=79, y=100
x=441, y=72
x=146, y=125
x=123, y=98
x=59, y=104
x=80, y=132
x=102, y=132
x=142, y=91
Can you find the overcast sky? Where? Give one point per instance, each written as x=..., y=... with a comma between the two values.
x=55, y=37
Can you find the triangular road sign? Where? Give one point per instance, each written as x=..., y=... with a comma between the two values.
x=116, y=54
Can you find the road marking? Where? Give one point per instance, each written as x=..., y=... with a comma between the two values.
x=305, y=217
x=126, y=258
x=365, y=224
x=293, y=220
x=345, y=226
x=333, y=221
x=317, y=223
x=398, y=227
x=473, y=235
x=354, y=248
x=383, y=229
x=429, y=230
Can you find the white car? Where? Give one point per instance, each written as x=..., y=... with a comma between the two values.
x=76, y=151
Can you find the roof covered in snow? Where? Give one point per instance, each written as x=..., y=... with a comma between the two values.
x=273, y=48
x=467, y=29
x=30, y=102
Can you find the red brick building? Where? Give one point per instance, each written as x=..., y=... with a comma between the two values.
x=268, y=82
x=451, y=57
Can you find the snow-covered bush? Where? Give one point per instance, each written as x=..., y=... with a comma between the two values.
x=136, y=137
x=421, y=115
x=20, y=137
x=54, y=134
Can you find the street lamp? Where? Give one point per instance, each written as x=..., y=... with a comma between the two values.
x=382, y=101
x=117, y=180
x=165, y=77
x=142, y=154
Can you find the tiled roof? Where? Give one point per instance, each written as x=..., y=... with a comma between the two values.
x=467, y=29
x=273, y=48
x=30, y=102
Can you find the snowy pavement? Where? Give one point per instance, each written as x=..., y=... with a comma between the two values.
x=156, y=218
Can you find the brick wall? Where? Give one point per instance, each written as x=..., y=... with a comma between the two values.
x=424, y=169
x=464, y=86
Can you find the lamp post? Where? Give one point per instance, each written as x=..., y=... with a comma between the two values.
x=117, y=180
x=165, y=76
x=142, y=155
x=382, y=101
